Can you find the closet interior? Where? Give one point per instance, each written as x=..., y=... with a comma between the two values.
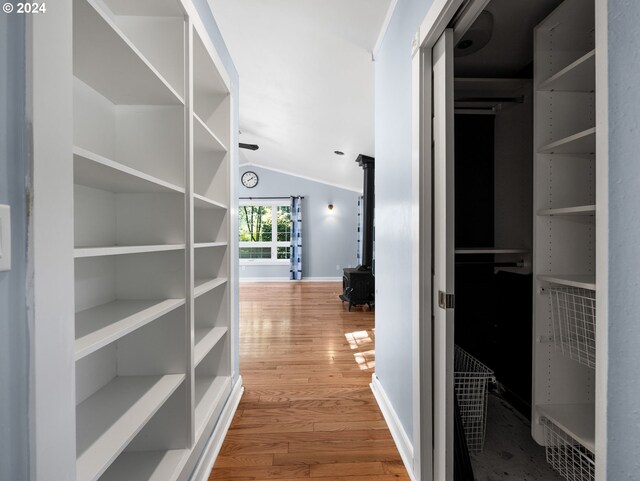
x=525, y=218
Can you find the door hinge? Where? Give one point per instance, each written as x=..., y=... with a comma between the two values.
x=446, y=301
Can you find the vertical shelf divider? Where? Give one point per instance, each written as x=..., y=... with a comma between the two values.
x=189, y=173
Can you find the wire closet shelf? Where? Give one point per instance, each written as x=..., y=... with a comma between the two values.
x=566, y=455
x=573, y=312
x=471, y=382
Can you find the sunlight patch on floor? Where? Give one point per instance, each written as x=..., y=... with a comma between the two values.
x=362, y=340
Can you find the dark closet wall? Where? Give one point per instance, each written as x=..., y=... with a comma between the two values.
x=493, y=310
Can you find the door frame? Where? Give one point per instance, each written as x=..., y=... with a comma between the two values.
x=440, y=16
x=460, y=15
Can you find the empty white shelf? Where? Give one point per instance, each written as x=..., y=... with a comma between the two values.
x=207, y=81
x=579, y=76
x=93, y=170
x=107, y=61
x=490, y=250
x=201, y=245
x=577, y=420
x=210, y=392
x=98, y=326
x=108, y=420
x=149, y=8
x=203, y=286
x=147, y=466
x=204, y=139
x=202, y=202
x=580, y=210
x=80, y=252
x=205, y=340
x=581, y=281
x=581, y=143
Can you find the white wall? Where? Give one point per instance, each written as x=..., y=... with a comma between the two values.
x=393, y=208
x=329, y=238
x=623, y=418
x=14, y=449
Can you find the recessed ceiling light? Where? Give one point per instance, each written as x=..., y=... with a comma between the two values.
x=338, y=152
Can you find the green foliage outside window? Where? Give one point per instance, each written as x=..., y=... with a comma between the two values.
x=256, y=225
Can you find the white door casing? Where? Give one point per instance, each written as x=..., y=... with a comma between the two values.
x=443, y=254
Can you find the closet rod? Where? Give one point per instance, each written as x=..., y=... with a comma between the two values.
x=490, y=263
x=497, y=100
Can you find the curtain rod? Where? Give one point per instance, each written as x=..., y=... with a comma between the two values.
x=287, y=197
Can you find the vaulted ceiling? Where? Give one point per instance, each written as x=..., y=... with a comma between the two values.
x=306, y=82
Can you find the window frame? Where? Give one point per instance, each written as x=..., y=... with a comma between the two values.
x=273, y=244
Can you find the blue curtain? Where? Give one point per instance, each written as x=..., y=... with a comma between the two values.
x=296, y=239
x=359, y=253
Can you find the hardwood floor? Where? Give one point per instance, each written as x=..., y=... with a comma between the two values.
x=307, y=410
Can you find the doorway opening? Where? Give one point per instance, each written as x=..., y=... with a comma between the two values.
x=514, y=226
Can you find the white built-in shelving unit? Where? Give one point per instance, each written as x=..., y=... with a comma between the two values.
x=564, y=232
x=151, y=164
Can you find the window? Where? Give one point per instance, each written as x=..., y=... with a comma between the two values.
x=265, y=232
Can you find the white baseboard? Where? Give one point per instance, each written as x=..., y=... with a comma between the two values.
x=262, y=279
x=403, y=443
x=203, y=469
x=286, y=279
x=322, y=279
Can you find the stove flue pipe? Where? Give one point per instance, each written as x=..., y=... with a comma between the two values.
x=367, y=163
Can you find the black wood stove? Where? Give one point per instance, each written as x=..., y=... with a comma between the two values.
x=359, y=283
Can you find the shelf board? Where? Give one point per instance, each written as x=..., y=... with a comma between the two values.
x=204, y=140
x=577, y=420
x=147, y=466
x=149, y=8
x=106, y=60
x=202, y=245
x=581, y=281
x=207, y=80
x=205, y=340
x=579, y=76
x=101, y=325
x=581, y=210
x=581, y=143
x=93, y=170
x=80, y=252
x=209, y=394
x=490, y=250
x=202, y=202
x=108, y=420
x=202, y=286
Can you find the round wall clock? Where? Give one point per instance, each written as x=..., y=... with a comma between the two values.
x=249, y=179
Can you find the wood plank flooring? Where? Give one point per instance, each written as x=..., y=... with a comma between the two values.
x=307, y=410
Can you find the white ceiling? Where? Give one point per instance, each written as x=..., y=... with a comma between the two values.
x=306, y=82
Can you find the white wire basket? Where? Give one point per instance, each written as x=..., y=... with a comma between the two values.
x=574, y=323
x=568, y=457
x=471, y=381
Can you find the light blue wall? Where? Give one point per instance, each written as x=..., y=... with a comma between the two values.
x=623, y=394
x=393, y=208
x=328, y=239
x=14, y=351
x=204, y=11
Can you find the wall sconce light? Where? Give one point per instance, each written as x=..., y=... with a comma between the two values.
x=330, y=207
